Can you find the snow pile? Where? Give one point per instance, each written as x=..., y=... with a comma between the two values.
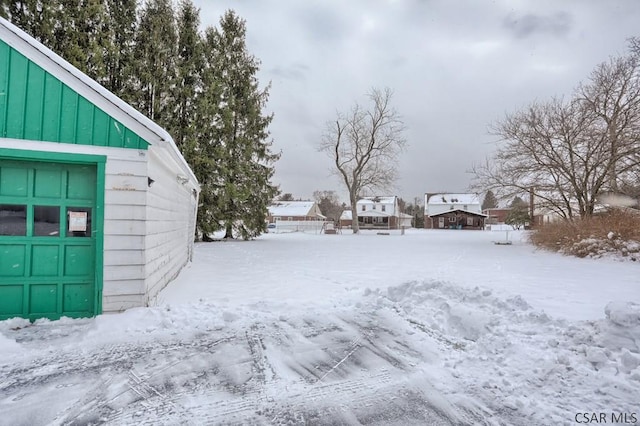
x=522, y=364
x=612, y=247
x=625, y=314
x=406, y=354
x=9, y=346
x=167, y=321
x=621, y=331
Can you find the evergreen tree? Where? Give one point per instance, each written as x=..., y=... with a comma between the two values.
x=45, y=22
x=189, y=63
x=518, y=216
x=155, y=55
x=78, y=35
x=518, y=202
x=490, y=201
x=287, y=196
x=119, y=38
x=208, y=156
x=241, y=187
x=71, y=28
x=20, y=13
x=203, y=90
x=36, y=17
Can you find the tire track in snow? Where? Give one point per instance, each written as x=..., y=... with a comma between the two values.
x=352, y=366
x=108, y=364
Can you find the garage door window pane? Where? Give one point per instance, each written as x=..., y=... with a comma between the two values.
x=46, y=221
x=13, y=219
x=78, y=221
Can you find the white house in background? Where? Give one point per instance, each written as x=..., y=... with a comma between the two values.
x=97, y=205
x=294, y=211
x=377, y=213
x=453, y=211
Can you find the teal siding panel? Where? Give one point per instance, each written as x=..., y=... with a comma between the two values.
x=34, y=105
x=51, y=114
x=16, y=95
x=68, y=115
x=131, y=140
x=100, y=126
x=4, y=86
x=84, y=130
x=116, y=133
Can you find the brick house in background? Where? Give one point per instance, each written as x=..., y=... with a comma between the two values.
x=453, y=211
x=496, y=215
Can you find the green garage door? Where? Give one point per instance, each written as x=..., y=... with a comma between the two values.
x=47, y=240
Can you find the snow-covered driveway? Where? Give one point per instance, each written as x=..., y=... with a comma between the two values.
x=424, y=328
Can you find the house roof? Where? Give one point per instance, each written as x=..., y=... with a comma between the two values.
x=292, y=208
x=374, y=213
x=458, y=210
x=382, y=200
x=346, y=214
x=91, y=90
x=446, y=198
x=497, y=209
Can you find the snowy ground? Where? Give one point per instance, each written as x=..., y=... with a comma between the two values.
x=431, y=327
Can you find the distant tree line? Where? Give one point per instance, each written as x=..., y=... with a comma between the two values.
x=201, y=87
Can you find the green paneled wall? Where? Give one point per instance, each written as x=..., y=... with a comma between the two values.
x=35, y=105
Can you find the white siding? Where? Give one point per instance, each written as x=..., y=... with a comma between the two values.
x=123, y=301
x=170, y=221
x=390, y=205
x=124, y=230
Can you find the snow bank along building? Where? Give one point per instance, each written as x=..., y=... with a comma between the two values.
x=453, y=211
x=97, y=205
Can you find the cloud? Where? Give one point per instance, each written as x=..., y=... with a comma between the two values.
x=323, y=24
x=455, y=67
x=558, y=24
x=296, y=72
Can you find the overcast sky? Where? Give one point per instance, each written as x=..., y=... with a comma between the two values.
x=455, y=67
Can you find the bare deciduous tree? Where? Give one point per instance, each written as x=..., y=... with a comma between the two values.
x=364, y=145
x=546, y=146
x=329, y=204
x=634, y=45
x=572, y=152
x=612, y=95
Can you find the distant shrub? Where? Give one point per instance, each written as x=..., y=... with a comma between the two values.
x=615, y=233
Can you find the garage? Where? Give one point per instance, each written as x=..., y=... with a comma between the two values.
x=97, y=204
x=48, y=247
